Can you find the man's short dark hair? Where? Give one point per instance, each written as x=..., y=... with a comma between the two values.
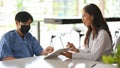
x=23, y=16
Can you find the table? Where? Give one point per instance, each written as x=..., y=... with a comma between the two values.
x=55, y=62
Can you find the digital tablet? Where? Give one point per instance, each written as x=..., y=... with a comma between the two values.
x=56, y=53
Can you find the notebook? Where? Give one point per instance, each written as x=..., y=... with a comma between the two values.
x=56, y=53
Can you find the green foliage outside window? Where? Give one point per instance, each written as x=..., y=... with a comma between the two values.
x=19, y=4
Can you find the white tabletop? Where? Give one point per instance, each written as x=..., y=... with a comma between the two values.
x=56, y=62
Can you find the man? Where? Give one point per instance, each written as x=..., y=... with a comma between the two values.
x=20, y=43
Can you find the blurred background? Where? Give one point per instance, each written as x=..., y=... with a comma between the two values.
x=56, y=35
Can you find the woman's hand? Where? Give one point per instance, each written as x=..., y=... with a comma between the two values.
x=48, y=50
x=72, y=47
x=66, y=54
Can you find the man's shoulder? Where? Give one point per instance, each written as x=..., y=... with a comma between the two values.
x=12, y=31
x=9, y=33
x=29, y=34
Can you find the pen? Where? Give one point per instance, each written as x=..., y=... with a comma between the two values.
x=93, y=65
x=61, y=41
x=51, y=43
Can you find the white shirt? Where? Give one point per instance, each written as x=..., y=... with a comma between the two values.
x=97, y=47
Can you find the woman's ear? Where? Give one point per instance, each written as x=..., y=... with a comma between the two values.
x=92, y=17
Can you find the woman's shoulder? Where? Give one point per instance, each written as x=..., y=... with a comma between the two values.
x=103, y=32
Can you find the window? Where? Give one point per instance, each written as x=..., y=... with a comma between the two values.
x=41, y=9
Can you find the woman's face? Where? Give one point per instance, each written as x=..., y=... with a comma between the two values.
x=87, y=18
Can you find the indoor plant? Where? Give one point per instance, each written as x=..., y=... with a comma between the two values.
x=114, y=58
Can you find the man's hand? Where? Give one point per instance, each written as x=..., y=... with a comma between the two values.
x=48, y=50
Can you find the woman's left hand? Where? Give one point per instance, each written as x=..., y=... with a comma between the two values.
x=66, y=54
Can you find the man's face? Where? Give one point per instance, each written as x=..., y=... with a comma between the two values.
x=26, y=23
x=24, y=27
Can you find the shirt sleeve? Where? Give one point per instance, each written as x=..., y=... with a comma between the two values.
x=37, y=48
x=100, y=45
x=5, y=49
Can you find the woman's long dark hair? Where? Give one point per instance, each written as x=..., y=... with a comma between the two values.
x=98, y=22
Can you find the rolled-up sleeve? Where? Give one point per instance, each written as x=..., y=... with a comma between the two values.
x=5, y=48
x=100, y=45
x=37, y=48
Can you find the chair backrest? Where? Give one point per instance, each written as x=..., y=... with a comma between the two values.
x=117, y=41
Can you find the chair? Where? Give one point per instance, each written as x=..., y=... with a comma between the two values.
x=117, y=41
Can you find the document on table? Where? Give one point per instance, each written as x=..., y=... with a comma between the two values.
x=56, y=53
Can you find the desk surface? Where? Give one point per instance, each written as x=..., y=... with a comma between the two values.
x=56, y=62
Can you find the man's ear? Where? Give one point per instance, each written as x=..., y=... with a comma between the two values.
x=16, y=22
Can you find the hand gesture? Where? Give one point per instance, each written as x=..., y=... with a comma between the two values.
x=48, y=50
x=66, y=54
x=72, y=47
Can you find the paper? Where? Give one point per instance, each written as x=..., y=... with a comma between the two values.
x=56, y=53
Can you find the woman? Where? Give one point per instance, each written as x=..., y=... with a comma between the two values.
x=98, y=40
